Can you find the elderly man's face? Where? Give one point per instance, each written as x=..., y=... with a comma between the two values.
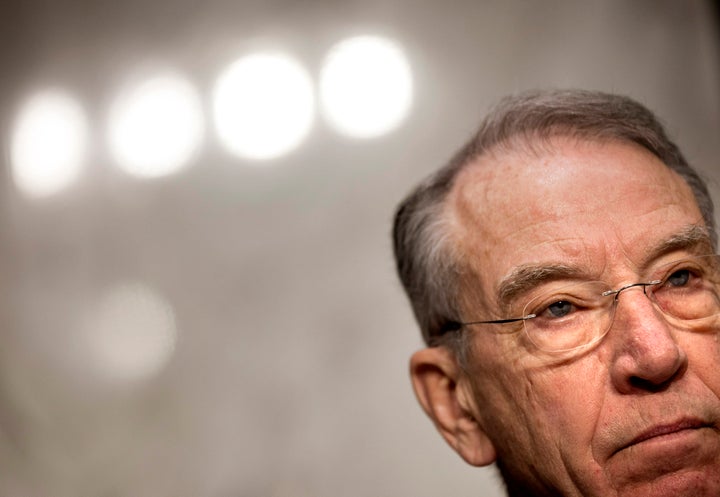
x=637, y=413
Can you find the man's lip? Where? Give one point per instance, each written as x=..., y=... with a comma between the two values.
x=665, y=429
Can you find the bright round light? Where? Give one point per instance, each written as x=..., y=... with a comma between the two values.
x=48, y=143
x=156, y=126
x=263, y=106
x=130, y=334
x=365, y=86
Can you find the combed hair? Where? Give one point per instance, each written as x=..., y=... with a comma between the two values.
x=427, y=262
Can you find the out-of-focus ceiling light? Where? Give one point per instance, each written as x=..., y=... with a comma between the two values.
x=366, y=86
x=263, y=106
x=156, y=126
x=48, y=143
x=129, y=334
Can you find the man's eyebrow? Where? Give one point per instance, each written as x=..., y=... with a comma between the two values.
x=528, y=276
x=692, y=238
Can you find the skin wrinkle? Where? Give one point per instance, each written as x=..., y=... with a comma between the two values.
x=575, y=477
x=525, y=422
x=535, y=398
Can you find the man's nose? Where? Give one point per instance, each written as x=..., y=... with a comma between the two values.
x=646, y=355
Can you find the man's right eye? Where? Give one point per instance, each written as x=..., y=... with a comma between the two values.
x=558, y=309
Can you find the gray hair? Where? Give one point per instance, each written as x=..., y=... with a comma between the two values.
x=425, y=254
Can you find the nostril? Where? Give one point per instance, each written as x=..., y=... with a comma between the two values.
x=656, y=377
x=649, y=386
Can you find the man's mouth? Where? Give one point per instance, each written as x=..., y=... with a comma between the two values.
x=666, y=430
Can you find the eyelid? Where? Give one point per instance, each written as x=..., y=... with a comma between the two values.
x=564, y=294
x=665, y=271
x=542, y=295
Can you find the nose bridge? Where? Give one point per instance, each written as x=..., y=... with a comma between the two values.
x=645, y=348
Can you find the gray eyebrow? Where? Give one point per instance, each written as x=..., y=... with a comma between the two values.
x=692, y=238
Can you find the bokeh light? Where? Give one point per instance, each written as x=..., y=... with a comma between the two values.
x=366, y=86
x=130, y=334
x=156, y=126
x=48, y=143
x=263, y=106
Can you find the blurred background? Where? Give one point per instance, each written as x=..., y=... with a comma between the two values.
x=197, y=289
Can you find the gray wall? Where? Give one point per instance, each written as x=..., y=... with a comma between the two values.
x=289, y=377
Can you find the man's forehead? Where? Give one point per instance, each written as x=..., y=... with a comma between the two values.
x=567, y=200
x=512, y=177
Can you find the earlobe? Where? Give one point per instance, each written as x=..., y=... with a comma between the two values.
x=446, y=397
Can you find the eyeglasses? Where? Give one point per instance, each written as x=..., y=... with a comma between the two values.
x=571, y=316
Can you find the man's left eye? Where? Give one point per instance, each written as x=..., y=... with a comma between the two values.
x=679, y=278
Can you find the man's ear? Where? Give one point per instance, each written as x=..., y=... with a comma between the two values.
x=448, y=400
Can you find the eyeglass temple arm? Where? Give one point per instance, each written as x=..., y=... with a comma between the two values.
x=456, y=325
x=501, y=321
